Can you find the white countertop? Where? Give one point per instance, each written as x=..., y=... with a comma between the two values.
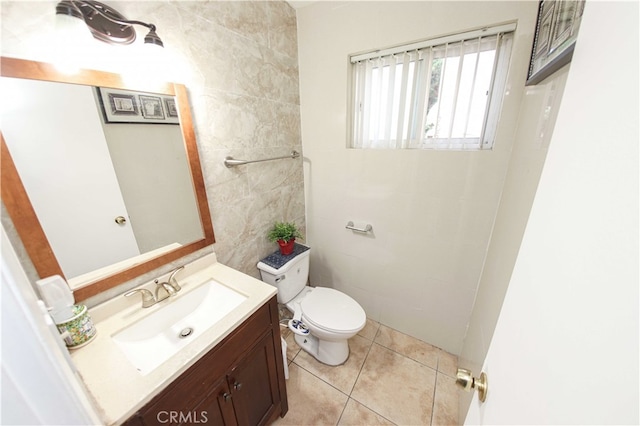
x=116, y=386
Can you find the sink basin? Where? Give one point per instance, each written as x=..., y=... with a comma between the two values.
x=157, y=337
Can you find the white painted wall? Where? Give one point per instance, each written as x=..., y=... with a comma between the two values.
x=432, y=211
x=538, y=113
x=565, y=348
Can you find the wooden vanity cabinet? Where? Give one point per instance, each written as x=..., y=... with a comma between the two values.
x=239, y=382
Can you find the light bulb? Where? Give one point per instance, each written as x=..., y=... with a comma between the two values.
x=72, y=42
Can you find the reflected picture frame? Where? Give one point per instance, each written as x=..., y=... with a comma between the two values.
x=122, y=104
x=172, y=109
x=555, y=37
x=128, y=107
x=151, y=107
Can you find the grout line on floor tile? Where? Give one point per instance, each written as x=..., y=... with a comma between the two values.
x=433, y=400
x=315, y=375
x=423, y=341
x=342, y=412
x=407, y=357
x=361, y=367
x=372, y=410
x=374, y=334
x=357, y=378
x=318, y=377
x=295, y=356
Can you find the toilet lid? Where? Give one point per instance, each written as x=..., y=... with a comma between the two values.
x=333, y=310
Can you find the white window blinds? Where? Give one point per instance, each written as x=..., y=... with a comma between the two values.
x=444, y=93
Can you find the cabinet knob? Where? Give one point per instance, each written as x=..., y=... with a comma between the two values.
x=237, y=385
x=226, y=397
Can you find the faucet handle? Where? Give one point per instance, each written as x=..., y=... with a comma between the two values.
x=172, y=279
x=147, y=296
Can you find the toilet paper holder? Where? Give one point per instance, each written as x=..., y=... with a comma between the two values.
x=367, y=228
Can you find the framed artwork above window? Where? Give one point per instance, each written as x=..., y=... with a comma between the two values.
x=555, y=37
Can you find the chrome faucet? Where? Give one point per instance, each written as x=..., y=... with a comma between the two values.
x=170, y=287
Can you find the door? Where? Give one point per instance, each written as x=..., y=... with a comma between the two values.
x=217, y=409
x=565, y=348
x=69, y=177
x=39, y=383
x=254, y=384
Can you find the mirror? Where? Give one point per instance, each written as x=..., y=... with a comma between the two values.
x=149, y=175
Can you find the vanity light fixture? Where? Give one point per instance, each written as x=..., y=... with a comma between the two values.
x=105, y=23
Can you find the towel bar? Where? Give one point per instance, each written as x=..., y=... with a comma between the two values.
x=231, y=162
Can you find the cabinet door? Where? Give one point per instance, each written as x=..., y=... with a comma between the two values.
x=254, y=384
x=184, y=401
x=217, y=408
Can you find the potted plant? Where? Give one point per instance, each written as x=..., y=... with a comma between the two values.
x=284, y=233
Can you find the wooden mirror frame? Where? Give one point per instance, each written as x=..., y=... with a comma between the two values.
x=19, y=206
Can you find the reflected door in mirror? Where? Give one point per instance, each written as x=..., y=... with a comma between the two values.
x=81, y=172
x=55, y=137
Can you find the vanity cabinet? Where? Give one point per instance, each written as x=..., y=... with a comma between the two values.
x=239, y=382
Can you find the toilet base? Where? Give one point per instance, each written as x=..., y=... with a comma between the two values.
x=327, y=352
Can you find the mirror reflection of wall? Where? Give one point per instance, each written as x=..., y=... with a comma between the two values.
x=82, y=172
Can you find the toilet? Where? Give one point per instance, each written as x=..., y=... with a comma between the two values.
x=323, y=318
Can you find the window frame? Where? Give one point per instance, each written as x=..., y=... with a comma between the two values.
x=504, y=47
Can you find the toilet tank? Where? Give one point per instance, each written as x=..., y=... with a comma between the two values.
x=289, y=278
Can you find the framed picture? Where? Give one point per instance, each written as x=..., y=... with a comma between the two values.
x=126, y=106
x=172, y=109
x=151, y=107
x=555, y=37
x=122, y=104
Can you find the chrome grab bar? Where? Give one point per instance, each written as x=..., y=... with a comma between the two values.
x=367, y=228
x=231, y=162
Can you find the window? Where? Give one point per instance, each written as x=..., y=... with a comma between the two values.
x=444, y=93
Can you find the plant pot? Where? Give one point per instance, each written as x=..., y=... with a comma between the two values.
x=286, y=247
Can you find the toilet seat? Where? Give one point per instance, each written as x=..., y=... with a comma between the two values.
x=332, y=311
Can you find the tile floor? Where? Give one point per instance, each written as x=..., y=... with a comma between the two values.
x=389, y=378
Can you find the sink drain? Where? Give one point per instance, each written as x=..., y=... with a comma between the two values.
x=185, y=332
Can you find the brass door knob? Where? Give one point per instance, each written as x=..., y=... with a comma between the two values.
x=465, y=379
x=120, y=220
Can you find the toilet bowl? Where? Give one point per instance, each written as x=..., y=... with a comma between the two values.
x=323, y=318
